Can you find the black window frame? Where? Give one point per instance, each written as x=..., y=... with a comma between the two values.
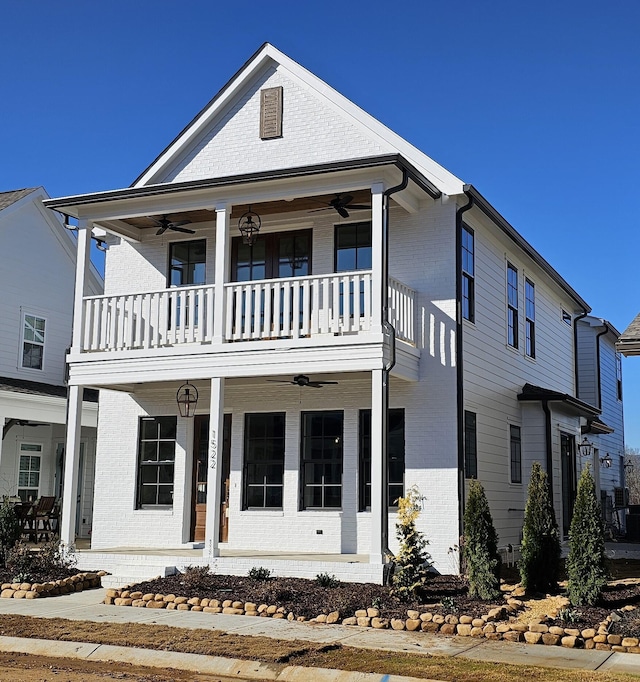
x=515, y=453
x=396, y=463
x=512, y=306
x=309, y=463
x=145, y=465
x=363, y=228
x=530, y=317
x=470, y=444
x=190, y=244
x=467, y=247
x=249, y=462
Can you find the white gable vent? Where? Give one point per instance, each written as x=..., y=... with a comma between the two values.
x=271, y=113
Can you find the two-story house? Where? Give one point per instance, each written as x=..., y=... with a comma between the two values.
x=629, y=341
x=37, y=283
x=340, y=317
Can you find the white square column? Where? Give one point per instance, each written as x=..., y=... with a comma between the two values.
x=2, y=420
x=223, y=212
x=378, y=288
x=71, y=459
x=214, y=475
x=379, y=472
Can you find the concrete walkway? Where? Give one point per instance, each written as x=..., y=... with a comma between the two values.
x=87, y=606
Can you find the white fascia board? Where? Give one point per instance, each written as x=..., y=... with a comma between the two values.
x=46, y=409
x=440, y=176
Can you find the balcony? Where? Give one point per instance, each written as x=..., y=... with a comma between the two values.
x=290, y=308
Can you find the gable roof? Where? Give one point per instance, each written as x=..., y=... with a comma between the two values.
x=267, y=54
x=8, y=198
x=629, y=341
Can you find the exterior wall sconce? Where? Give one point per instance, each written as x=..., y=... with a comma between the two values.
x=585, y=448
x=606, y=461
x=187, y=399
x=249, y=226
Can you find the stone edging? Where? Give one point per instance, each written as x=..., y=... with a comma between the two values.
x=498, y=624
x=75, y=583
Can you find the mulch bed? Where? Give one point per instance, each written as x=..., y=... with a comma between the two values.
x=36, y=576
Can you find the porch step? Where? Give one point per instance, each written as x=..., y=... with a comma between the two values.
x=126, y=570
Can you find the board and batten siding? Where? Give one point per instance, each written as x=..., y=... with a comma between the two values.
x=495, y=373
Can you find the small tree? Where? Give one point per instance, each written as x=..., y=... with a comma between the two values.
x=480, y=546
x=586, y=567
x=412, y=562
x=10, y=529
x=540, y=551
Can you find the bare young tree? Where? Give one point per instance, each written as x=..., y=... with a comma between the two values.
x=632, y=473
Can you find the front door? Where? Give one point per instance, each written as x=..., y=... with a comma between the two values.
x=200, y=475
x=568, y=462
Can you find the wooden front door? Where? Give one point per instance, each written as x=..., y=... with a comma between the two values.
x=200, y=476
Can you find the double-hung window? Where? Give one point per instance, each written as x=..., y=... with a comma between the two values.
x=515, y=447
x=321, y=459
x=33, y=336
x=263, y=460
x=29, y=471
x=470, y=445
x=396, y=458
x=353, y=251
x=512, y=306
x=530, y=318
x=156, y=459
x=468, y=274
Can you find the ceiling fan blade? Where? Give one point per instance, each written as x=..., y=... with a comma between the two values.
x=341, y=200
x=342, y=211
x=314, y=384
x=358, y=207
x=162, y=230
x=175, y=228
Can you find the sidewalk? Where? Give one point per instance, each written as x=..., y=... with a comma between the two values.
x=86, y=606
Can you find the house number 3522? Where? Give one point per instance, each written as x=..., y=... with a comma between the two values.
x=213, y=450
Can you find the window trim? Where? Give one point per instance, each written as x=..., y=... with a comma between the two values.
x=468, y=277
x=518, y=461
x=31, y=313
x=470, y=458
x=302, y=506
x=246, y=462
x=513, y=322
x=182, y=242
x=36, y=453
x=336, y=229
x=530, y=321
x=156, y=506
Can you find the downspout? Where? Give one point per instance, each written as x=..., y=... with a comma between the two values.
x=459, y=362
x=389, y=329
x=575, y=351
x=602, y=333
x=549, y=446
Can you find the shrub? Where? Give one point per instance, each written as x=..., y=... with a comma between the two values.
x=10, y=529
x=412, y=562
x=195, y=576
x=259, y=573
x=586, y=568
x=540, y=551
x=49, y=560
x=480, y=547
x=326, y=580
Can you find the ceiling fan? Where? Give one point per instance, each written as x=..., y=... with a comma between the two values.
x=302, y=380
x=165, y=224
x=340, y=203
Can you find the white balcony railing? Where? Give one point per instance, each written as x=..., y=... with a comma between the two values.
x=267, y=309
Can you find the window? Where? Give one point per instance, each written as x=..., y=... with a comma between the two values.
x=280, y=254
x=566, y=317
x=530, y=318
x=187, y=263
x=321, y=455
x=512, y=305
x=470, y=445
x=515, y=446
x=156, y=457
x=352, y=247
x=263, y=460
x=33, y=342
x=468, y=275
x=29, y=471
x=619, y=376
x=396, y=458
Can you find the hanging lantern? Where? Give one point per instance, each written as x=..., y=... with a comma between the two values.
x=249, y=226
x=187, y=399
x=585, y=447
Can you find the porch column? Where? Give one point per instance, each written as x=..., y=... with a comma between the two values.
x=82, y=265
x=223, y=212
x=377, y=258
x=71, y=458
x=214, y=477
x=379, y=472
x=2, y=420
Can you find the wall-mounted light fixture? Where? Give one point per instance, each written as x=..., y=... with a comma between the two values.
x=606, y=461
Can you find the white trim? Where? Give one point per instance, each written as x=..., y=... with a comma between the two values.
x=31, y=312
x=39, y=454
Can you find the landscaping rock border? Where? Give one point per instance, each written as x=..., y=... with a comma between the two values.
x=75, y=583
x=500, y=623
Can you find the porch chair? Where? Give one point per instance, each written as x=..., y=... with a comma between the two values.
x=42, y=514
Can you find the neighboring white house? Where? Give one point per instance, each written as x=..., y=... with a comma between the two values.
x=36, y=306
x=629, y=341
x=600, y=384
x=375, y=271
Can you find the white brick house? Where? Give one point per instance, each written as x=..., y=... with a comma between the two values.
x=37, y=283
x=408, y=290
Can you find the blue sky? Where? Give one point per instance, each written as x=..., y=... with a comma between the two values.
x=535, y=104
